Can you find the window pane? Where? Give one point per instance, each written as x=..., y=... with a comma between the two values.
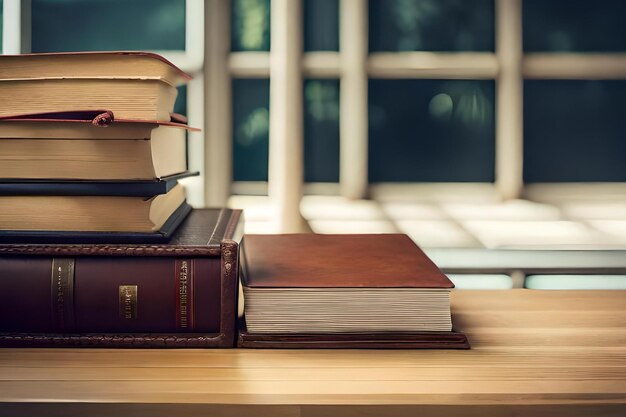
x=574, y=131
x=321, y=131
x=250, y=25
x=431, y=130
x=574, y=25
x=181, y=101
x=85, y=25
x=251, y=102
x=321, y=25
x=431, y=25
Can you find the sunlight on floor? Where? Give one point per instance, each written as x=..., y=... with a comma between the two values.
x=440, y=221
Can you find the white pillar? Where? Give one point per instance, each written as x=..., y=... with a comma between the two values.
x=218, y=158
x=353, y=99
x=286, y=159
x=509, y=99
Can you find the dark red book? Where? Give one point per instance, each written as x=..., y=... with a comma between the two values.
x=178, y=294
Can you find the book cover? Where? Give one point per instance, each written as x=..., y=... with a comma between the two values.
x=120, y=188
x=179, y=294
x=304, y=291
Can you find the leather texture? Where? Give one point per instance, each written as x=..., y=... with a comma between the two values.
x=338, y=261
x=424, y=340
x=194, y=237
x=26, y=303
x=122, y=340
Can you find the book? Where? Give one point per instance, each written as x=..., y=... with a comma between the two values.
x=139, y=99
x=179, y=294
x=132, y=188
x=32, y=217
x=306, y=290
x=133, y=85
x=41, y=147
x=130, y=65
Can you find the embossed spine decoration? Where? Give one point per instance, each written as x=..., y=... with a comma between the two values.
x=185, y=294
x=230, y=268
x=62, y=280
x=128, y=302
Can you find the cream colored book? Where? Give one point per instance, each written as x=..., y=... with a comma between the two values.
x=89, y=213
x=64, y=150
x=149, y=100
x=100, y=65
x=133, y=85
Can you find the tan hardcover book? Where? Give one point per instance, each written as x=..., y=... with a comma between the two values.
x=139, y=99
x=37, y=213
x=343, y=291
x=67, y=150
x=126, y=65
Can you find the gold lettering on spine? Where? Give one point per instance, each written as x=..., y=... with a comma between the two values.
x=128, y=302
x=184, y=296
x=63, y=293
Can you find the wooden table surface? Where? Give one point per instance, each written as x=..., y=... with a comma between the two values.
x=533, y=353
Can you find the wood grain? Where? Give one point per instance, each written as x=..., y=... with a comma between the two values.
x=533, y=353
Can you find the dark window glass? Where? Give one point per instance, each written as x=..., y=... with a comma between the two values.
x=431, y=130
x=574, y=25
x=250, y=25
x=321, y=25
x=321, y=131
x=181, y=101
x=87, y=25
x=574, y=131
x=431, y=25
x=251, y=100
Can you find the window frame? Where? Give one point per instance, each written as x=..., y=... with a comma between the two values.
x=213, y=66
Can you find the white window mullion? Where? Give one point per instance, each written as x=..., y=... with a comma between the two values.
x=419, y=64
x=353, y=175
x=575, y=66
x=16, y=32
x=217, y=150
x=191, y=59
x=509, y=99
x=195, y=141
x=286, y=159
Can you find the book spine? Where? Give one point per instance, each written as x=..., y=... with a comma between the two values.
x=111, y=294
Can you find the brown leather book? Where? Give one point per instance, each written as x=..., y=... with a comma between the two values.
x=343, y=291
x=179, y=294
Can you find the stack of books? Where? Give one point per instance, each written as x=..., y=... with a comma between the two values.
x=90, y=149
x=98, y=246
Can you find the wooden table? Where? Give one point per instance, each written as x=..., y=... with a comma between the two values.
x=534, y=353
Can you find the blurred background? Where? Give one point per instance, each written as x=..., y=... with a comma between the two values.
x=493, y=132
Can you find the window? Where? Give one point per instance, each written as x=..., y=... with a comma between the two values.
x=82, y=25
x=574, y=131
x=431, y=131
x=431, y=25
x=495, y=91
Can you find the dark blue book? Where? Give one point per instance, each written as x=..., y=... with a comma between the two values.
x=139, y=188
